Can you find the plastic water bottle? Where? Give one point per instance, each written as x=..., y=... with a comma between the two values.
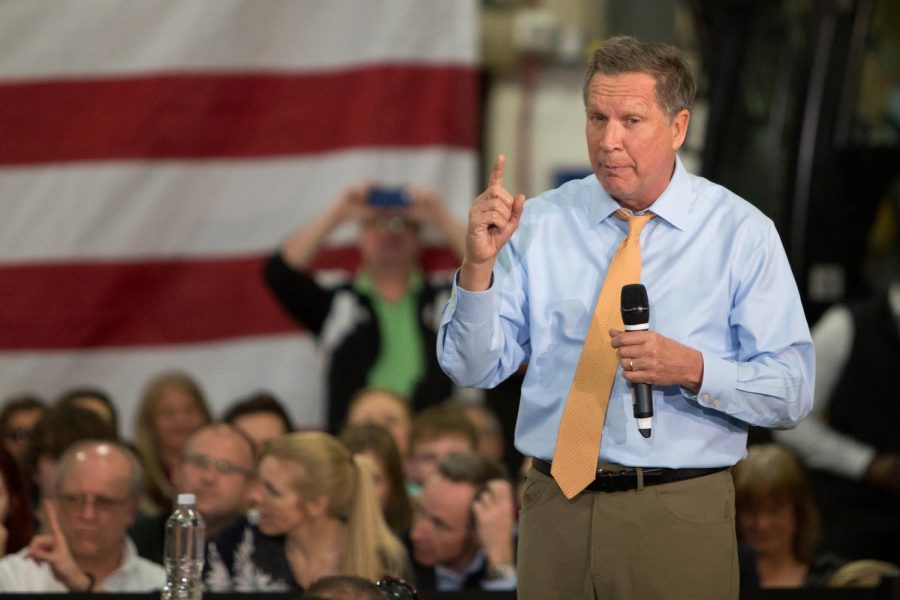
x=185, y=542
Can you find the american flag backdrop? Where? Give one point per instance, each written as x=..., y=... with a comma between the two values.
x=153, y=153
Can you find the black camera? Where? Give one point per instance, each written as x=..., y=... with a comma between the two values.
x=397, y=589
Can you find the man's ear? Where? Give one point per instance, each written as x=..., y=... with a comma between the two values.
x=679, y=128
x=472, y=518
x=133, y=510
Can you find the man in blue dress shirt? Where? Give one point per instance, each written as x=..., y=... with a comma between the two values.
x=728, y=345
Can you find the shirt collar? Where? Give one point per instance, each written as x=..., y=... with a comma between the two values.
x=672, y=205
x=126, y=567
x=454, y=578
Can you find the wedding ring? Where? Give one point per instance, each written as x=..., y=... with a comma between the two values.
x=631, y=364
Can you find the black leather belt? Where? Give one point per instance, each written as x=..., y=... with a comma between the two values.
x=627, y=478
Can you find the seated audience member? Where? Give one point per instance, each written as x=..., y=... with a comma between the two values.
x=385, y=409
x=490, y=433
x=85, y=548
x=318, y=516
x=16, y=524
x=344, y=587
x=850, y=441
x=390, y=338
x=217, y=467
x=17, y=420
x=436, y=433
x=172, y=408
x=778, y=520
x=377, y=444
x=261, y=416
x=93, y=399
x=60, y=427
x=462, y=535
x=863, y=574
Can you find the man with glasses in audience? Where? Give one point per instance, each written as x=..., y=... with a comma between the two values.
x=217, y=467
x=85, y=547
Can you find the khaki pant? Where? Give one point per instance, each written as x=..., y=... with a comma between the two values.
x=668, y=541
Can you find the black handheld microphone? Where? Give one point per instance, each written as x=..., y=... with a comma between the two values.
x=636, y=316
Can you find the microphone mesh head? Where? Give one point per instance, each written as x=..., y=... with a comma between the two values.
x=635, y=304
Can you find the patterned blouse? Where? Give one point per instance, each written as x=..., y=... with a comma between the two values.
x=241, y=559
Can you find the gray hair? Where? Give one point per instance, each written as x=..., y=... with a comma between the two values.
x=135, y=480
x=675, y=87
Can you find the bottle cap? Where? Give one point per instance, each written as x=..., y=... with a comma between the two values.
x=187, y=499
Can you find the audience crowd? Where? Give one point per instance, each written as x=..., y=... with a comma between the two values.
x=409, y=485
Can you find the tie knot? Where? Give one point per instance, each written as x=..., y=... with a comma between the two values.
x=635, y=222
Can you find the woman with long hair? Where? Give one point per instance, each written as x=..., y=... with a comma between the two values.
x=317, y=516
x=172, y=408
x=376, y=443
x=16, y=524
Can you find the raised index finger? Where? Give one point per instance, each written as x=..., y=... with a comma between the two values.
x=50, y=511
x=497, y=173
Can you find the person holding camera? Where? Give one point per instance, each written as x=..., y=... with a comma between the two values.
x=379, y=327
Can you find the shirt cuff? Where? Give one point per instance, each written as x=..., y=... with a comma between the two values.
x=856, y=460
x=472, y=307
x=504, y=584
x=718, y=376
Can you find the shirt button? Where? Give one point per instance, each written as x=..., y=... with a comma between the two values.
x=716, y=403
x=706, y=397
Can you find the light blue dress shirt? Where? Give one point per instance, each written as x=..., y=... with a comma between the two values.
x=718, y=281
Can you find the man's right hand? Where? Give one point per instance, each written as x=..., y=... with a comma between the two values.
x=493, y=218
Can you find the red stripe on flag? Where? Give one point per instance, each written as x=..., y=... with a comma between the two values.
x=237, y=115
x=109, y=304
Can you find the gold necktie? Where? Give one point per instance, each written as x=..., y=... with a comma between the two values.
x=578, y=441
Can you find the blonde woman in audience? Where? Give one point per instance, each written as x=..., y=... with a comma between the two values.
x=777, y=518
x=318, y=516
x=172, y=408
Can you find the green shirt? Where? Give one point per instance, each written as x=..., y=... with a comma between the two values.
x=400, y=364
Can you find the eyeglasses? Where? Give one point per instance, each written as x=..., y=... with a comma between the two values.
x=18, y=434
x=224, y=467
x=73, y=502
x=397, y=589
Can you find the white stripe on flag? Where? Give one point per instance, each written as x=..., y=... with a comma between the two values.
x=48, y=38
x=177, y=208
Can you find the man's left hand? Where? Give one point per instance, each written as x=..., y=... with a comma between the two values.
x=648, y=357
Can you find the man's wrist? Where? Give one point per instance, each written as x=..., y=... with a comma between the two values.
x=82, y=583
x=475, y=278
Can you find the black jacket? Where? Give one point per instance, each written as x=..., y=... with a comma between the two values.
x=343, y=321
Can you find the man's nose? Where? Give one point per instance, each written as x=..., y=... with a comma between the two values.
x=88, y=509
x=254, y=494
x=611, y=136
